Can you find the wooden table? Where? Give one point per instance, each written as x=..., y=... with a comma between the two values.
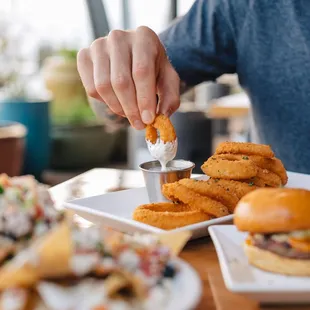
x=199, y=253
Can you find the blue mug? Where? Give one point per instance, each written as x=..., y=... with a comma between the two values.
x=34, y=115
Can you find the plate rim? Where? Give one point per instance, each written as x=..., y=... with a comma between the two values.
x=72, y=206
x=245, y=288
x=192, y=302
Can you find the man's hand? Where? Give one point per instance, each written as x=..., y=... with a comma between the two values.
x=126, y=70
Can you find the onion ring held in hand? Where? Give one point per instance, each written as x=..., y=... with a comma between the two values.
x=274, y=164
x=165, y=128
x=236, y=187
x=212, y=190
x=217, y=167
x=162, y=147
x=168, y=215
x=180, y=193
x=244, y=148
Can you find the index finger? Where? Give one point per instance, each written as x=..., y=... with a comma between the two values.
x=144, y=73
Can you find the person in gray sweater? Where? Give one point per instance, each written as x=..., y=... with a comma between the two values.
x=267, y=43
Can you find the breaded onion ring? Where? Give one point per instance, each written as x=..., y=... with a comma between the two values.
x=274, y=164
x=240, y=189
x=268, y=177
x=169, y=215
x=244, y=148
x=217, y=167
x=180, y=193
x=163, y=125
x=255, y=181
x=212, y=190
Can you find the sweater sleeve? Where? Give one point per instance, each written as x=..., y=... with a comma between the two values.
x=201, y=44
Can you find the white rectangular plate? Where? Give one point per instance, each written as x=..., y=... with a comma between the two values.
x=244, y=279
x=115, y=209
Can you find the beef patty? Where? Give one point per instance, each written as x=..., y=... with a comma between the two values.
x=282, y=248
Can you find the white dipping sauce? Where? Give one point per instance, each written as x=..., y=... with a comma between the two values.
x=13, y=299
x=163, y=151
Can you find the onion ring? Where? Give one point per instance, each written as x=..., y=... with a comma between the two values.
x=255, y=181
x=274, y=164
x=217, y=167
x=269, y=178
x=163, y=147
x=240, y=189
x=180, y=193
x=212, y=190
x=169, y=215
x=244, y=148
x=163, y=125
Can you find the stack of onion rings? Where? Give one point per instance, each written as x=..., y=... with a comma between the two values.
x=243, y=167
x=168, y=215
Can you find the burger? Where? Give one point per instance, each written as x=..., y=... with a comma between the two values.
x=278, y=223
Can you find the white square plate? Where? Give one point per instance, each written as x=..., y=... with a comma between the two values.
x=115, y=209
x=244, y=279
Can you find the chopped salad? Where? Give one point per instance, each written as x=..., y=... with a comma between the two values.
x=26, y=210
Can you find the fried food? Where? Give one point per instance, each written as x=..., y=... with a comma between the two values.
x=163, y=147
x=180, y=193
x=169, y=215
x=240, y=189
x=218, y=167
x=244, y=148
x=235, y=170
x=235, y=160
x=256, y=181
x=163, y=125
x=274, y=164
x=212, y=190
x=268, y=177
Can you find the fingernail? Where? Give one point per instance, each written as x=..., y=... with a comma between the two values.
x=138, y=124
x=147, y=117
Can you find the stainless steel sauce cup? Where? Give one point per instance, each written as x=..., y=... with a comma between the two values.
x=154, y=177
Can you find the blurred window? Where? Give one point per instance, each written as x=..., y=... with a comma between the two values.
x=64, y=23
